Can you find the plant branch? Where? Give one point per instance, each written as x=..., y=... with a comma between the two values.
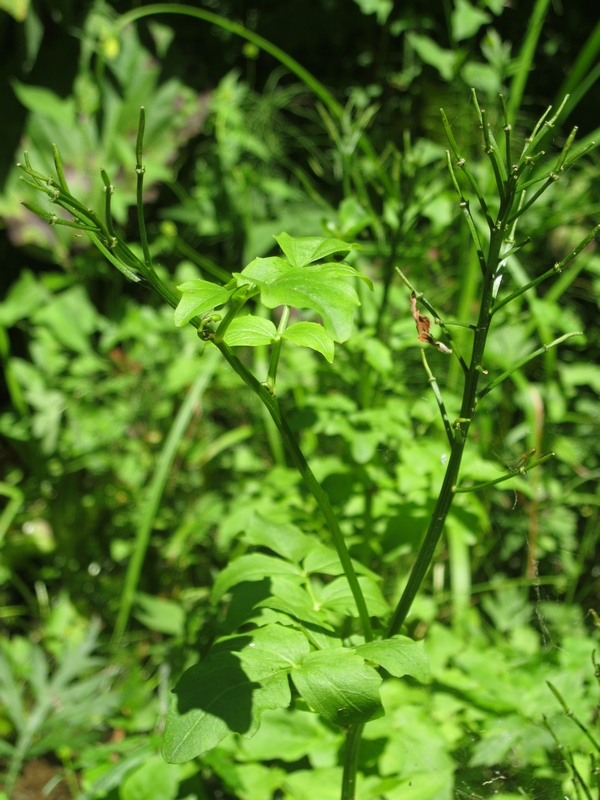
x=521, y=471
x=543, y=349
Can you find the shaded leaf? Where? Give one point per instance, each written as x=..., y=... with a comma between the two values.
x=252, y=567
x=242, y=677
x=283, y=538
x=337, y=596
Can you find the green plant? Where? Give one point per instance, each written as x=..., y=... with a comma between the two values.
x=60, y=711
x=296, y=611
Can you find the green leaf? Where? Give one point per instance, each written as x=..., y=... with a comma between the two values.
x=250, y=331
x=338, y=685
x=318, y=287
x=242, y=677
x=253, y=567
x=338, y=597
x=307, y=249
x=283, y=538
x=159, y=614
x=309, y=334
x=153, y=779
x=431, y=53
x=18, y=9
x=399, y=655
x=198, y=298
x=294, y=601
x=382, y=8
x=44, y=102
x=467, y=19
x=24, y=296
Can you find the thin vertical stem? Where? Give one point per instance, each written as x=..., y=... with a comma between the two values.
x=351, y=754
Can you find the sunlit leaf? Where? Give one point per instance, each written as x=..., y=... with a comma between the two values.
x=309, y=334
x=199, y=297
x=307, y=249
x=338, y=685
x=399, y=655
x=250, y=331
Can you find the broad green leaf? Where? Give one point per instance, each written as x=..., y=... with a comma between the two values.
x=153, y=779
x=309, y=334
x=399, y=655
x=18, y=9
x=338, y=685
x=44, y=102
x=250, y=331
x=159, y=614
x=293, y=600
x=253, y=567
x=307, y=249
x=325, y=560
x=263, y=271
x=229, y=690
x=467, y=19
x=382, y=8
x=318, y=287
x=198, y=298
x=289, y=735
x=431, y=53
x=24, y=296
x=71, y=317
x=288, y=644
x=337, y=596
x=283, y=538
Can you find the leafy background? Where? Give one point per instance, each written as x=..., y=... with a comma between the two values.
x=95, y=372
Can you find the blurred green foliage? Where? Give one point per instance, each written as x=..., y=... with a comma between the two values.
x=238, y=151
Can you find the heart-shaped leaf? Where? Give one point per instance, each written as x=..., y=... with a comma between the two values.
x=309, y=334
x=198, y=298
x=307, y=249
x=339, y=685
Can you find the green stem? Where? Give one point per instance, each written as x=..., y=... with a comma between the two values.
x=155, y=492
x=558, y=267
x=351, y=754
x=513, y=474
x=140, y=169
x=311, y=482
x=446, y=495
x=438, y=396
x=234, y=27
x=543, y=349
x=276, y=351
